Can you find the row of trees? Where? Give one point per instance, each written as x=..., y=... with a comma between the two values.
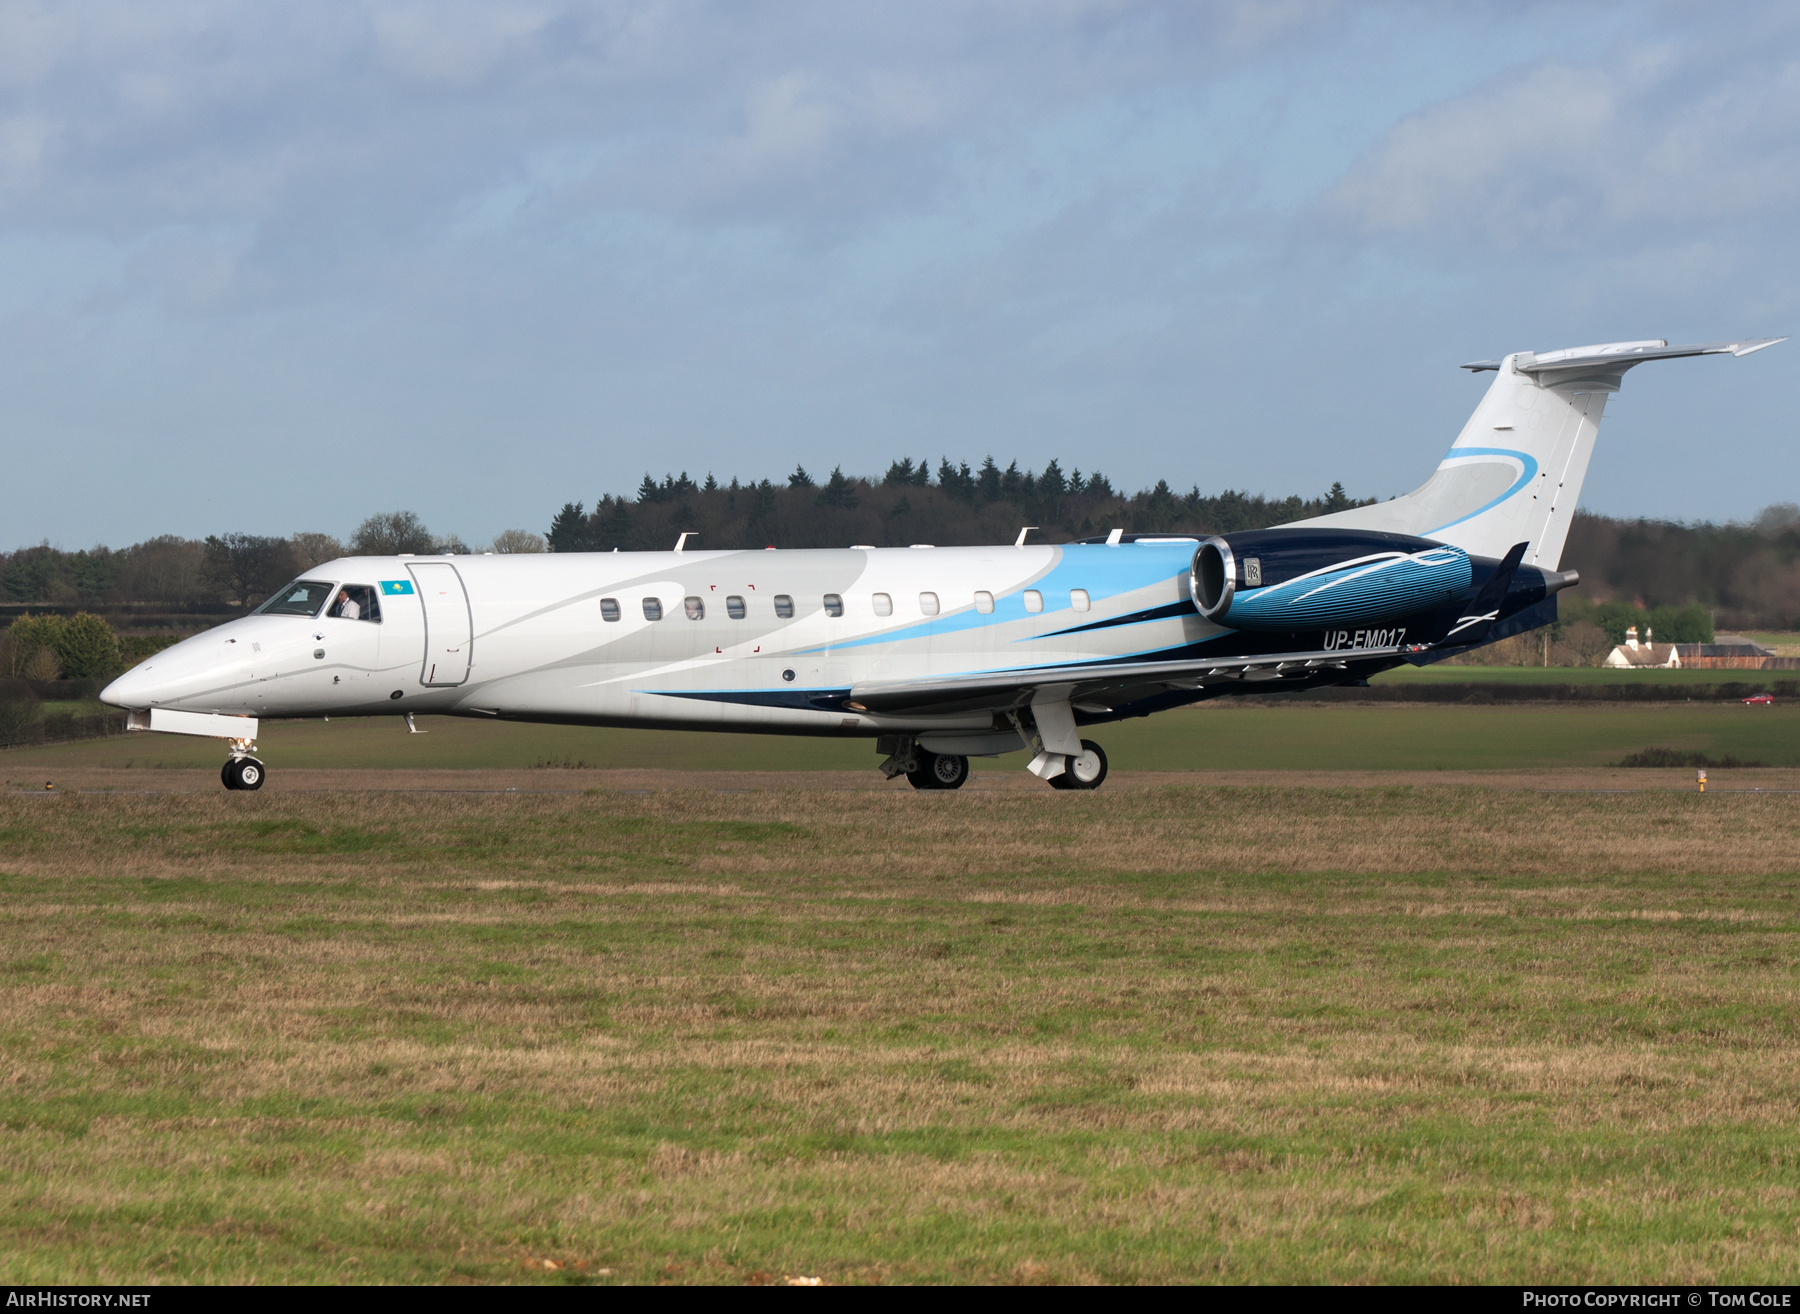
x=222, y=568
x=1643, y=571
x=1747, y=576
x=960, y=506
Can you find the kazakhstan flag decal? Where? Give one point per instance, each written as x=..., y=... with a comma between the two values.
x=396, y=588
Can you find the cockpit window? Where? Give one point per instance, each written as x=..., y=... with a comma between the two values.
x=355, y=602
x=303, y=597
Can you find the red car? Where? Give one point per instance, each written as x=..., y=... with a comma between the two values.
x=1759, y=698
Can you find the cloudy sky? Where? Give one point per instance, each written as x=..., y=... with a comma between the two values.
x=275, y=267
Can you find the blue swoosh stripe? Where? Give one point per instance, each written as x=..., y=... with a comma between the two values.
x=1530, y=473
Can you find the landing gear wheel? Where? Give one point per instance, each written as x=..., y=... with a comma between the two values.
x=1083, y=771
x=225, y=776
x=243, y=773
x=939, y=771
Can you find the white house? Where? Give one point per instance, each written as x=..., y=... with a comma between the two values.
x=1631, y=655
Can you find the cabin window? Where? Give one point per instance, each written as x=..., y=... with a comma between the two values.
x=1034, y=601
x=884, y=605
x=734, y=607
x=694, y=607
x=984, y=602
x=1078, y=599
x=928, y=603
x=784, y=606
x=355, y=602
x=834, y=605
x=609, y=609
x=652, y=608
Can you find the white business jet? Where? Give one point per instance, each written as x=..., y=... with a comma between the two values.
x=936, y=654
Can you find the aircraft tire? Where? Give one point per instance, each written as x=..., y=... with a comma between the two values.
x=951, y=770
x=1086, y=771
x=939, y=771
x=245, y=773
x=226, y=778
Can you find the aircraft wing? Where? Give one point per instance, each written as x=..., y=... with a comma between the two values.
x=1095, y=684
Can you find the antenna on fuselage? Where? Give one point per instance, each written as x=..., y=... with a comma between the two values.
x=685, y=537
x=1020, y=541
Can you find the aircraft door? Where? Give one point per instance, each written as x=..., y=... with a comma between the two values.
x=449, y=628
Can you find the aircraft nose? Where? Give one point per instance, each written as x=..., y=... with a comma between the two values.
x=130, y=690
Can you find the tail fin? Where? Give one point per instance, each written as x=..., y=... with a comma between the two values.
x=1515, y=471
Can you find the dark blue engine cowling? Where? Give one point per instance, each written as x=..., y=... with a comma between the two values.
x=1280, y=580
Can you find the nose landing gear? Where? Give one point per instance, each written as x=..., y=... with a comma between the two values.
x=1085, y=770
x=242, y=771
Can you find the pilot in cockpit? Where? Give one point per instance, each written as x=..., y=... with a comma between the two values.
x=355, y=602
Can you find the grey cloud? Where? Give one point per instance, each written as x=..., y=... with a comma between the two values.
x=602, y=233
x=1559, y=152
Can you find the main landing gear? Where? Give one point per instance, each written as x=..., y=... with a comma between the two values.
x=926, y=770
x=938, y=771
x=242, y=771
x=922, y=770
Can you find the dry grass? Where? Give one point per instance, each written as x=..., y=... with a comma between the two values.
x=1170, y=1032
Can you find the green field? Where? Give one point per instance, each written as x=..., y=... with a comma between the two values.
x=1159, y=1034
x=1219, y=737
x=1589, y=676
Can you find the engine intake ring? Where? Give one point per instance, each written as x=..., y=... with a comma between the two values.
x=1213, y=580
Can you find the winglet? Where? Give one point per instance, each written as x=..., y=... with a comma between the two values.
x=1472, y=627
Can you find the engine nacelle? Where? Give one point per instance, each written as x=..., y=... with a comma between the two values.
x=1279, y=580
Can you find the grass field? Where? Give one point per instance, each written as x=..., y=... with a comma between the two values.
x=1216, y=738
x=1443, y=673
x=1156, y=1033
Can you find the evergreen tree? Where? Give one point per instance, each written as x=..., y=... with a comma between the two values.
x=987, y=482
x=1051, y=483
x=800, y=479
x=765, y=501
x=610, y=526
x=955, y=482
x=838, y=491
x=568, y=529
x=87, y=647
x=900, y=472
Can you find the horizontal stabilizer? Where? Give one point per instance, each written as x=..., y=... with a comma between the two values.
x=1620, y=353
x=1515, y=471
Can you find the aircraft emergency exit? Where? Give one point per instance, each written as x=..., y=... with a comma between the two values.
x=936, y=654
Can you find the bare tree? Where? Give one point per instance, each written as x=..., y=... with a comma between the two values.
x=315, y=549
x=391, y=533
x=519, y=540
x=249, y=566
